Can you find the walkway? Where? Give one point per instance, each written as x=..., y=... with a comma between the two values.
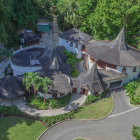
x=76, y=101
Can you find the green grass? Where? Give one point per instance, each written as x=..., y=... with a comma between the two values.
x=17, y=128
x=96, y=110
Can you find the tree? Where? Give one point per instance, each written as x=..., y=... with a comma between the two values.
x=136, y=132
x=45, y=82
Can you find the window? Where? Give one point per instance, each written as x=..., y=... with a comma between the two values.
x=124, y=69
x=134, y=70
x=67, y=41
x=83, y=48
x=71, y=44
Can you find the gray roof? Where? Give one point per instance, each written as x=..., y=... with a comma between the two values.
x=11, y=87
x=93, y=80
x=54, y=58
x=115, y=52
x=76, y=36
x=109, y=75
x=61, y=83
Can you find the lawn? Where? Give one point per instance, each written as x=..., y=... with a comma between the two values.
x=79, y=139
x=17, y=128
x=96, y=110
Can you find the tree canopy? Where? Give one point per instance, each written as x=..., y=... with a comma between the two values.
x=103, y=19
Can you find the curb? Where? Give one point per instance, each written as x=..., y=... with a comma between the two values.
x=79, y=119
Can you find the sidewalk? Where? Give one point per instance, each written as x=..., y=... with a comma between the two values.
x=76, y=101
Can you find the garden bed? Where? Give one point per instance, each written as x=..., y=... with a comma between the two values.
x=133, y=91
x=38, y=103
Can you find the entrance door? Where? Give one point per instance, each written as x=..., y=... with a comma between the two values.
x=84, y=91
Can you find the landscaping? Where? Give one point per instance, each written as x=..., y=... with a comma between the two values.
x=17, y=128
x=79, y=139
x=133, y=91
x=38, y=102
x=72, y=60
x=96, y=110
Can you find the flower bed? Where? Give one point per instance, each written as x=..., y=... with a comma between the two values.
x=133, y=90
x=52, y=103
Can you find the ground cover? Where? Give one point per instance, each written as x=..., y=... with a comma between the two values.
x=133, y=91
x=79, y=139
x=17, y=128
x=38, y=102
x=96, y=110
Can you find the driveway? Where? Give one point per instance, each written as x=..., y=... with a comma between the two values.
x=121, y=102
x=113, y=128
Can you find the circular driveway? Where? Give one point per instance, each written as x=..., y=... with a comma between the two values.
x=116, y=127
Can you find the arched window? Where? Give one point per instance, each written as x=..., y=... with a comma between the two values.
x=134, y=70
x=124, y=69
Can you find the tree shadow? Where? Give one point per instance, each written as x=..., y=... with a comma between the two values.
x=8, y=122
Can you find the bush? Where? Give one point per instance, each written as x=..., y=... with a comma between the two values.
x=131, y=89
x=60, y=102
x=91, y=98
x=10, y=110
x=74, y=73
x=37, y=103
x=136, y=132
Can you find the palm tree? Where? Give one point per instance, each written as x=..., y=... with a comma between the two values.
x=27, y=81
x=44, y=85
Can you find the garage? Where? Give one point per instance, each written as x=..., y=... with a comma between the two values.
x=114, y=85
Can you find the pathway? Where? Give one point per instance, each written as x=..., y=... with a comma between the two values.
x=76, y=101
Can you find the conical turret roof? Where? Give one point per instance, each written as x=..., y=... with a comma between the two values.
x=115, y=52
x=93, y=80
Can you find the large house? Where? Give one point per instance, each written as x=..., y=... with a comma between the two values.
x=117, y=62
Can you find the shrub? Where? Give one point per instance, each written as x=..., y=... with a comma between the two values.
x=9, y=110
x=74, y=73
x=60, y=102
x=136, y=132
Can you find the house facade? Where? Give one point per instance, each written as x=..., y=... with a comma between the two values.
x=115, y=59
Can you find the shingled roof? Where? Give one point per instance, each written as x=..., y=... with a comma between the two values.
x=93, y=80
x=61, y=83
x=11, y=87
x=115, y=52
x=76, y=36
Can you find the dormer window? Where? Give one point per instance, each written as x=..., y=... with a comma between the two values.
x=134, y=70
x=124, y=69
x=71, y=44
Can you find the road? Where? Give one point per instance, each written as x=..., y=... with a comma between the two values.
x=116, y=127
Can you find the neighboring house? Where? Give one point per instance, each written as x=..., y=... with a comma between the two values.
x=74, y=41
x=118, y=63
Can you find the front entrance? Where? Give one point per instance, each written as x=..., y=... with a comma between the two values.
x=84, y=91
x=115, y=85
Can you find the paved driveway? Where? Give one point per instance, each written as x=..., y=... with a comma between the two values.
x=121, y=102
x=114, y=128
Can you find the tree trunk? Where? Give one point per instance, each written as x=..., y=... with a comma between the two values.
x=29, y=92
x=34, y=93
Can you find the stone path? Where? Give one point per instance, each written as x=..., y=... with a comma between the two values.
x=76, y=101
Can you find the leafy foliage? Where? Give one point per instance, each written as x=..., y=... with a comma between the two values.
x=72, y=60
x=132, y=88
x=102, y=19
x=9, y=110
x=136, y=132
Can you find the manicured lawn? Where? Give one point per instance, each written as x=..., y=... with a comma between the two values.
x=17, y=128
x=96, y=110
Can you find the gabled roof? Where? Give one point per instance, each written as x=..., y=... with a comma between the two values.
x=93, y=80
x=76, y=36
x=11, y=87
x=115, y=52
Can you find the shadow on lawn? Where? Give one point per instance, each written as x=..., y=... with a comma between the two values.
x=8, y=122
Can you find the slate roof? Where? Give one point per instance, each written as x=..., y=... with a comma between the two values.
x=75, y=35
x=11, y=87
x=61, y=83
x=115, y=52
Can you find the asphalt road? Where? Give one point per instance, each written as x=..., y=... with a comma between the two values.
x=116, y=127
